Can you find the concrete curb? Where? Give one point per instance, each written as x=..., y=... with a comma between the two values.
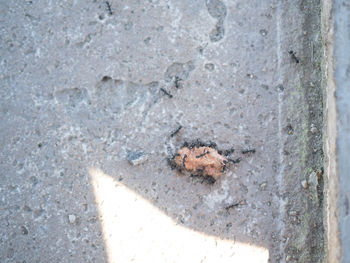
x=336, y=31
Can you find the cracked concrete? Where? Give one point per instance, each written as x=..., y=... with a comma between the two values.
x=81, y=90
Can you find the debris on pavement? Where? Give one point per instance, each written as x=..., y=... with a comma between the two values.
x=137, y=158
x=203, y=160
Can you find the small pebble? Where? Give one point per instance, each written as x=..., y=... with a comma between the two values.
x=292, y=213
x=251, y=76
x=263, y=32
x=72, y=219
x=24, y=230
x=263, y=186
x=147, y=40
x=304, y=184
x=209, y=66
x=313, y=181
x=280, y=88
x=314, y=130
x=137, y=158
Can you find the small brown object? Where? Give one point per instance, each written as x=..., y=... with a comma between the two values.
x=205, y=161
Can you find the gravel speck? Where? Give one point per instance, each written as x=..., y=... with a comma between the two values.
x=72, y=219
x=304, y=184
x=292, y=213
x=137, y=158
x=313, y=180
x=263, y=186
x=314, y=130
x=24, y=230
x=263, y=32
x=209, y=66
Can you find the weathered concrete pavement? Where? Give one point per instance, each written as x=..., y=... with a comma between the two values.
x=81, y=92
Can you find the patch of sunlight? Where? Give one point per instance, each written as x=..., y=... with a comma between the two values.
x=136, y=231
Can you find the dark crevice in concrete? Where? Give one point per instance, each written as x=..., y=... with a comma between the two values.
x=307, y=202
x=311, y=83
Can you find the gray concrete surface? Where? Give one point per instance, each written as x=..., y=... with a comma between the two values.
x=336, y=30
x=81, y=91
